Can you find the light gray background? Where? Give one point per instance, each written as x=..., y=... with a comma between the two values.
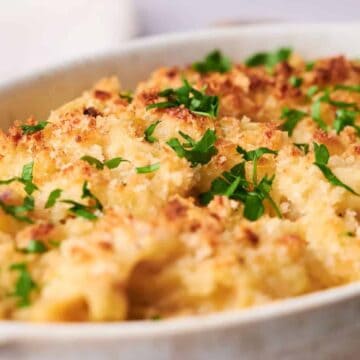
x=171, y=15
x=36, y=34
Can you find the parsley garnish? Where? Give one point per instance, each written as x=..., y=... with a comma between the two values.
x=35, y=247
x=54, y=243
x=303, y=147
x=25, y=178
x=54, y=195
x=234, y=185
x=110, y=164
x=31, y=129
x=85, y=211
x=316, y=114
x=345, y=117
x=149, y=131
x=269, y=59
x=292, y=118
x=148, y=169
x=213, y=62
x=312, y=90
x=321, y=160
x=254, y=156
x=295, y=81
x=196, y=101
x=351, y=88
x=316, y=107
x=24, y=284
x=196, y=152
x=19, y=211
x=126, y=95
x=309, y=65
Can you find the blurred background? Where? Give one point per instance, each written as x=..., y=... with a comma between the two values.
x=39, y=33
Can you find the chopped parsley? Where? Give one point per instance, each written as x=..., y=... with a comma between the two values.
x=148, y=169
x=312, y=90
x=35, y=247
x=126, y=95
x=31, y=129
x=196, y=152
x=234, y=185
x=326, y=98
x=309, y=65
x=54, y=243
x=292, y=118
x=110, y=164
x=54, y=195
x=303, y=147
x=85, y=211
x=213, y=62
x=25, y=178
x=196, y=101
x=321, y=160
x=295, y=81
x=351, y=88
x=254, y=156
x=24, y=284
x=316, y=114
x=19, y=212
x=339, y=104
x=269, y=59
x=148, y=133
x=345, y=117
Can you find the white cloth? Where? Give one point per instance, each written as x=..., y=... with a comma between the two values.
x=38, y=33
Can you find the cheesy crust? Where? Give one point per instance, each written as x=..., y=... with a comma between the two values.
x=153, y=250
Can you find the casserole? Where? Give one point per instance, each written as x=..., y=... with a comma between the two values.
x=249, y=333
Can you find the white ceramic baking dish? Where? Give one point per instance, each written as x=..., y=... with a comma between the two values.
x=323, y=325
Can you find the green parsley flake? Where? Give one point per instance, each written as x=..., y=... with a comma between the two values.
x=326, y=98
x=149, y=132
x=351, y=88
x=321, y=160
x=345, y=117
x=303, y=147
x=31, y=129
x=25, y=178
x=234, y=185
x=312, y=90
x=110, y=164
x=196, y=101
x=269, y=59
x=309, y=65
x=126, y=95
x=19, y=212
x=254, y=156
x=35, y=247
x=196, y=152
x=213, y=62
x=148, y=169
x=292, y=118
x=85, y=211
x=54, y=195
x=295, y=81
x=24, y=284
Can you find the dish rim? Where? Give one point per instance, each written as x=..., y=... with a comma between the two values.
x=12, y=330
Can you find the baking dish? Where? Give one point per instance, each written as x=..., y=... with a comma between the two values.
x=325, y=323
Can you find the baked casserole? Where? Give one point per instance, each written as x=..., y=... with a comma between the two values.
x=212, y=187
